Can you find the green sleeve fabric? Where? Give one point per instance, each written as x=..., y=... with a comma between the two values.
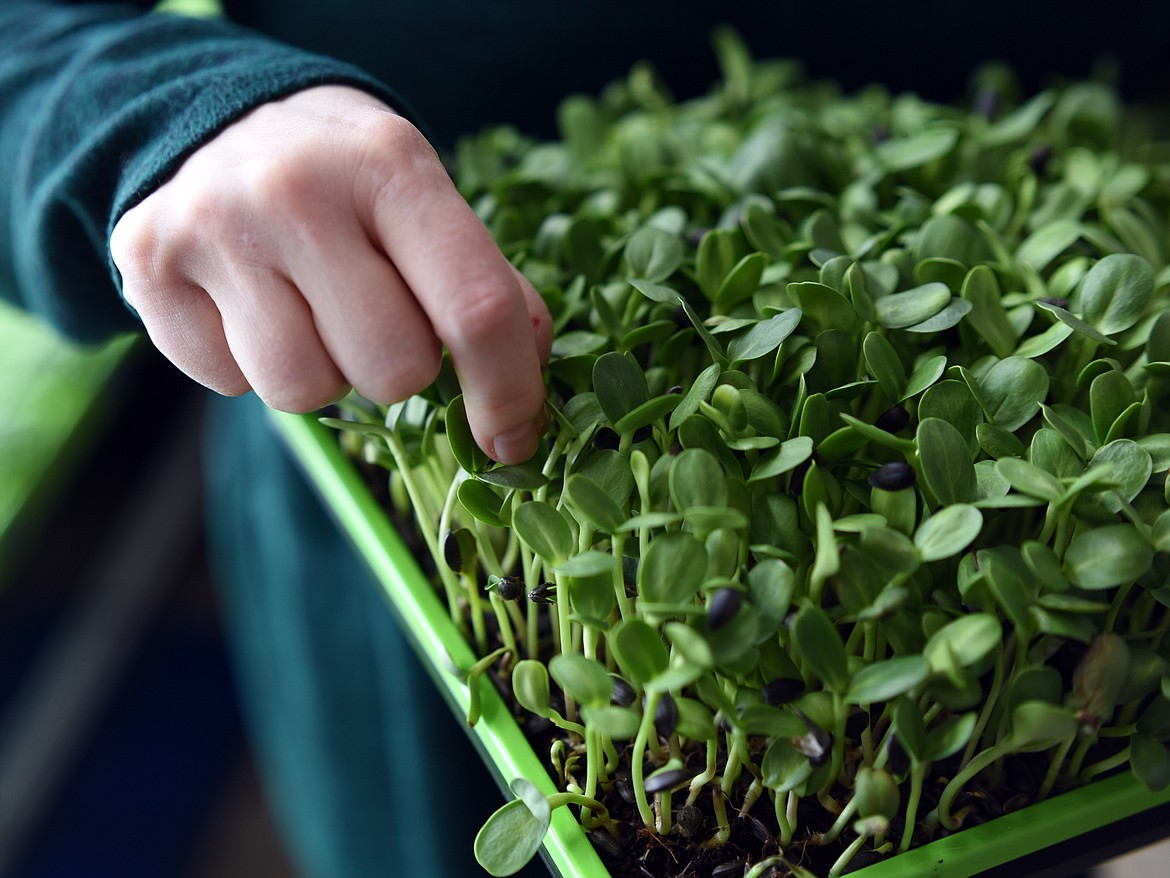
x=99, y=104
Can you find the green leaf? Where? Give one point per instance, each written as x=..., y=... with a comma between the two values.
x=924, y=375
x=899, y=310
x=887, y=679
x=544, y=530
x=1110, y=394
x=765, y=337
x=638, y=650
x=791, y=454
x=950, y=316
x=713, y=260
x=968, y=640
x=903, y=154
x=614, y=722
x=690, y=645
x=1013, y=390
x=1150, y=760
x=954, y=402
x=946, y=462
x=911, y=728
x=823, y=306
x=1107, y=556
x=672, y=569
x=1048, y=242
x=482, y=502
x=988, y=316
x=770, y=586
x=1037, y=725
x=697, y=479
x=818, y=643
x=520, y=477
x=698, y=392
x=654, y=254
x=649, y=412
x=531, y=687
x=512, y=835
x=1071, y=322
x=949, y=737
x=463, y=447
x=763, y=230
x=1030, y=479
x=884, y=364
x=591, y=500
x=655, y=292
x=783, y=768
x=695, y=721
x=742, y=281
x=1115, y=292
x=948, y=532
x=620, y=385
x=1129, y=468
x=583, y=679
x=771, y=722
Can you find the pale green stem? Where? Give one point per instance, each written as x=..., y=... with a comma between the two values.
x=786, y=828
x=419, y=502
x=754, y=791
x=719, y=805
x=700, y=781
x=839, y=824
x=917, y=777
x=1107, y=764
x=848, y=854
x=556, y=800
x=638, y=756
x=1078, y=758
x=625, y=607
x=988, y=706
x=1058, y=758
x=976, y=765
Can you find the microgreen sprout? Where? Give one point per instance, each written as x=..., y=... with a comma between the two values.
x=856, y=490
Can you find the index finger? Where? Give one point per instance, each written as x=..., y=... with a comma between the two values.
x=477, y=304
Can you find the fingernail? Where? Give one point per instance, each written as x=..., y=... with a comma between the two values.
x=516, y=445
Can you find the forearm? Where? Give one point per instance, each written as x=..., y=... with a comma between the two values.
x=98, y=106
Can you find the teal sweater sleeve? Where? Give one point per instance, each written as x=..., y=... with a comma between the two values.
x=99, y=104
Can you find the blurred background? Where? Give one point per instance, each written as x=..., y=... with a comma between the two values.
x=121, y=746
x=122, y=752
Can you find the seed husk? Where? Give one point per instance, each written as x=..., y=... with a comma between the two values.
x=896, y=475
x=510, y=588
x=665, y=780
x=623, y=693
x=723, y=607
x=666, y=715
x=782, y=690
x=893, y=419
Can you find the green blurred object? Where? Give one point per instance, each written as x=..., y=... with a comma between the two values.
x=48, y=392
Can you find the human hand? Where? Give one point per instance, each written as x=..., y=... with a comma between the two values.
x=318, y=244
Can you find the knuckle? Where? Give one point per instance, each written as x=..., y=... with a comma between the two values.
x=486, y=311
x=408, y=373
x=302, y=396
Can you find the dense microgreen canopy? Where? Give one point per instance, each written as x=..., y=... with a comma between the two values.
x=858, y=469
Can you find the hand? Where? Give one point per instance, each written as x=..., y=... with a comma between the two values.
x=318, y=244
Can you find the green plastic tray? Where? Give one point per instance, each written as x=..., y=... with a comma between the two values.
x=567, y=851
x=48, y=390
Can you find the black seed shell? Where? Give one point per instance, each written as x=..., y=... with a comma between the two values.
x=510, y=588
x=665, y=780
x=666, y=715
x=893, y=419
x=723, y=607
x=623, y=692
x=893, y=476
x=782, y=690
